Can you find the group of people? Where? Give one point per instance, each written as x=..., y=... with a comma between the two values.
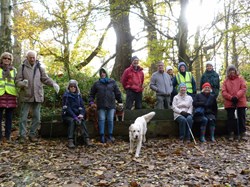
x=172, y=91
x=189, y=107
x=27, y=82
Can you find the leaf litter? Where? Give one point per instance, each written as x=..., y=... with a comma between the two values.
x=163, y=162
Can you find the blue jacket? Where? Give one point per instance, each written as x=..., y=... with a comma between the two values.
x=72, y=105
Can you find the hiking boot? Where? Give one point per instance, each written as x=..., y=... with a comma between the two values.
x=212, y=139
x=71, y=143
x=231, y=137
x=202, y=139
x=110, y=139
x=102, y=139
x=21, y=140
x=33, y=139
x=6, y=140
x=244, y=136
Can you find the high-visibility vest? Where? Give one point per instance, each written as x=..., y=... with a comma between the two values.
x=187, y=80
x=8, y=86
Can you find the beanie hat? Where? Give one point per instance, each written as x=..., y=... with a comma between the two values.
x=231, y=67
x=206, y=84
x=210, y=63
x=181, y=85
x=182, y=64
x=134, y=58
x=168, y=68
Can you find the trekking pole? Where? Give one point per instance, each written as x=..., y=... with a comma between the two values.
x=191, y=133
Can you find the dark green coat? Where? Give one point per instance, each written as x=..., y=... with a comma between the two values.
x=213, y=78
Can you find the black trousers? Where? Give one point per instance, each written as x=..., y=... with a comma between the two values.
x=236, y=124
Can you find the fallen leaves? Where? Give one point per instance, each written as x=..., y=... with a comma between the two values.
x=162, y=162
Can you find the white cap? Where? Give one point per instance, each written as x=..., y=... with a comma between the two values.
x=210, y=63
x=168, y=68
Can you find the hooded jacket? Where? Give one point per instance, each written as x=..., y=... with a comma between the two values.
x=36, y=77
x=234, y=86
x=133, y=79
x=188, y=79
x=105, y=92
x=73, y=104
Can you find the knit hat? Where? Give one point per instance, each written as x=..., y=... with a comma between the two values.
x=231, y=67
x=181, y=85
x=168, y=68
x=182, y=64
x=134, y=58
x=210, y=63
x=206, y=84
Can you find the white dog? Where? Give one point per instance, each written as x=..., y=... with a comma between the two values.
x=137, y=132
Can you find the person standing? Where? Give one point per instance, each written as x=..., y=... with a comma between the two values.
x=30, y=79
x=169, y=70
x=73, y=112
x=206, y=101
x=212, y=77
x=8, y=94
x=184, y=76
x=106, y=92
x=183, y=109
x=132, y=81
x=234, y=93
x=161, y=83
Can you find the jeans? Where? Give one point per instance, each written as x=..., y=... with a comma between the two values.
x=25, y=107
x=132, y=97
x=102, y=114
x=183, y=126
x=163, y=102
x=72, y=125
x=8, y=121
x=238, y=126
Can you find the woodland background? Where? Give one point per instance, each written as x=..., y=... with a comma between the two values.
x=75, y=38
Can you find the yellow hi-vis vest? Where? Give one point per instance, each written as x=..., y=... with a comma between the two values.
x=8, y=86
x=187, y=80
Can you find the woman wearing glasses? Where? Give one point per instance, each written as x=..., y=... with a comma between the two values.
x=8, y=94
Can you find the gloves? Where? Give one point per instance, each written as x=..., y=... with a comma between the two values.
x=26, y=82
x=80, y=116
x=185, y=114
x=77, y=119
x=56, y=87
x=234, y=100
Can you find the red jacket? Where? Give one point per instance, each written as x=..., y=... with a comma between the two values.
x=8, y=101
x=132, y=79
x=234, y=87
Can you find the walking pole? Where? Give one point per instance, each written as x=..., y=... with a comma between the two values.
x=191, y=133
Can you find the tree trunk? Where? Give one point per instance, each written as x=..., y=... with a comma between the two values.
x=5, y=32
x=183, y=34
x=119, y=12
x=154, y=52
x=17, y=47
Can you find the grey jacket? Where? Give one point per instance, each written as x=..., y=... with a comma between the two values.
x=161, y=83
x=36, y=77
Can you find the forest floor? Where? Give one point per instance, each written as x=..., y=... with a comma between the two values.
x=162, y=162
